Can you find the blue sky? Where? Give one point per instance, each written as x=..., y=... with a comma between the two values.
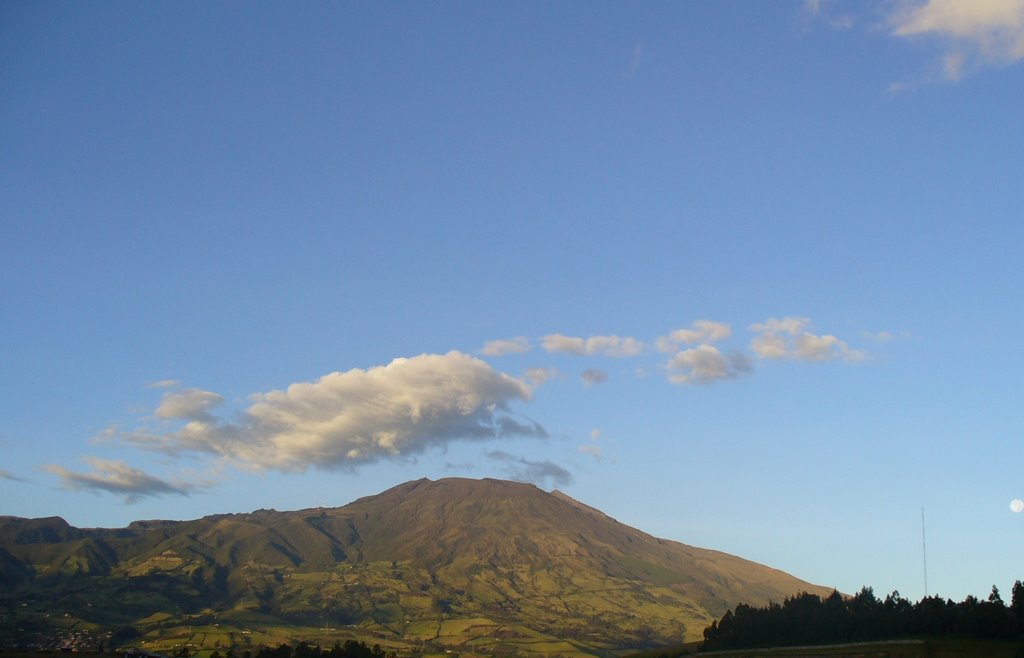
x=743, y=275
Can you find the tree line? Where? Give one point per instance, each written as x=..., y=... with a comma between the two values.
x=807, y=619
x=350, y=649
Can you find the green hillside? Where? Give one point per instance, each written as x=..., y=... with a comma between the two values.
x=477, y=566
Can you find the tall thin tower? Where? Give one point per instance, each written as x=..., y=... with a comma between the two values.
x=924, y=554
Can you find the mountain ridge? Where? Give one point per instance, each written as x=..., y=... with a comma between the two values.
x=397, y=566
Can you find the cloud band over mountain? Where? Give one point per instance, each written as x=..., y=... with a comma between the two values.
x=345, y=419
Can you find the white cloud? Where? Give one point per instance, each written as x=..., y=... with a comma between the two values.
x=561, y=343
x=345, y=419
x=611, y=345
x=190, y=404
x=614, y=346
x=809, y=347
x=517, y=345
x=704, y=364
x=974, y=32
x=541, y=473
x=700, y=331
x=769, y=346
x=592, y=376
x=977, y=19
x=771, y=341
x=594, y=451
x=788, y=339
x=118, y=478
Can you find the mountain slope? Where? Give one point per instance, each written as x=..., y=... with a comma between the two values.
x=453, y=563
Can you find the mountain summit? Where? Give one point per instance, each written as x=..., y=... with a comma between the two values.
x=457, y=564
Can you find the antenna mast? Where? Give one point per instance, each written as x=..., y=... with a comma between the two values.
x=924, y=554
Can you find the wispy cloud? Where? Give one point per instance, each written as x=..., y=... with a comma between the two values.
x=541, y=473
x=788, y=338
x=592, y=376
x=885, y=336
x=163, y=383
x=346, y=419
x=118, y=478
x=190, y=404
x=639, y=55
x=517, y=345
x=7, y=475
x=591, y=449
x=824, y=11
x=896, y=88
x=788, y=325
x=611, y=345
x=538, y=376
x=971, y=33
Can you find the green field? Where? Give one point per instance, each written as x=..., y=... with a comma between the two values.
x=393, y=604
x=892, y=649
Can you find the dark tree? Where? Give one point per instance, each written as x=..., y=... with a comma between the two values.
x=807, y=619
x=1017, y=606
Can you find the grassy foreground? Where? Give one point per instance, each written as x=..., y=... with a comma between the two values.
x=893, y=649
x=956, y=648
